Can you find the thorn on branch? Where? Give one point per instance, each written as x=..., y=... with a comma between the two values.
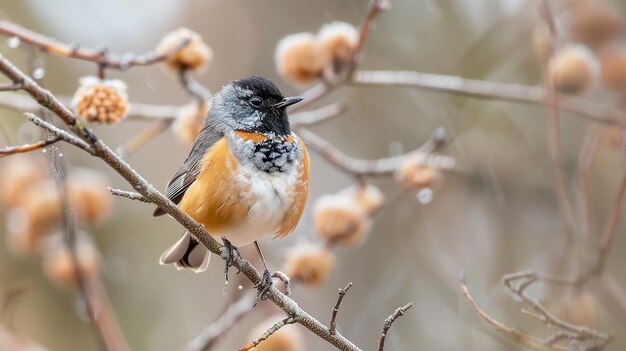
x=333, y=320
x=389, y=322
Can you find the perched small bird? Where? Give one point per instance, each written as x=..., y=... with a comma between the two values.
x=246, y=176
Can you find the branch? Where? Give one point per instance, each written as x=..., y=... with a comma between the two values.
x=192, y=87
x=10, y=150
x=389, y=322
x=59, y=133
x=211, y=334
x=151, y=194
x=276, y=327
x=377, y=167
x=98, y=56
x=128, y=194
x=488, y=90
x=320, y=115
x=333, y=318
x=528, y=340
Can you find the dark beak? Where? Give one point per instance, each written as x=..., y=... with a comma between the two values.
x=288, y=101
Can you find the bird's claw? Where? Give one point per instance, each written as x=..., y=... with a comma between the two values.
x=231, y=251
x=263, y=287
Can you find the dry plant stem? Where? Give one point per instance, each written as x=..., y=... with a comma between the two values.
x=11, y=150
x=528, y=340
x=585, y=163
x=389, y=322
x=191, y=86
x=528, y=278
x=611, y=226
x=143, y=137
x=95, y=301
x=488, y=90
x=273, y=329
x=93, y=55
x=333, y=318
x=211, y=334
x=318, y=116
x=377, y=167
x=554, y=136
x=10, y=87
x=128, y=194
x=150, y=193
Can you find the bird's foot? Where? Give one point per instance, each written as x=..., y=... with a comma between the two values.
x=263, y=287
x=230, y=252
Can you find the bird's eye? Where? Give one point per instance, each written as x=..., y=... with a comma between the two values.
x=256, y=101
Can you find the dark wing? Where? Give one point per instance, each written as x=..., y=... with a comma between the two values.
x=188, y=172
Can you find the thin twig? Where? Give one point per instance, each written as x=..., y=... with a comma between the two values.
x=212, y=333
x=320, y=115
x=488, y=90
x=143, y=137
x=128, y=194
x=376, y=167
x=11, y=150
x=192, y=87
x=389, y=322
x=86, y=54
x=58, y=132
x=10, y=87
x=286, y=281
x=333, y=317
x=273, y=329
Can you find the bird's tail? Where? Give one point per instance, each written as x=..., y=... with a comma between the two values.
x=187, y=253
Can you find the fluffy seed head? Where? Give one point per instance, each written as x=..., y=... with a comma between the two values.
x=572, y=69
x=298, y=58
x=287, y=338
x=414, y=174
x=340, y=219
x=197, y=55
x=88, y=194
x=337, y=41
x=189, y=121
x=368, y=197
x=613, y=67
x=17, y=176
x=311, y=264
x=595, y=23
x=101, y=101
x=59, y=266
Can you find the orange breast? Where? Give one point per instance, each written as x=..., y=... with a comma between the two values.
x=215, y=198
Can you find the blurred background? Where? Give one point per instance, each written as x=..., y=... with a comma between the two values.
x=499, y=215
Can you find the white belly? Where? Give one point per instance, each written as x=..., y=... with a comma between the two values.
x=271, y=195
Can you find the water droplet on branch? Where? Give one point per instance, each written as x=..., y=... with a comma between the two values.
x=13, y=42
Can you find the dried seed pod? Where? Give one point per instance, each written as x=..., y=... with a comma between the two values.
x=197, y=55
x=101, y=101
x=298, y=58
x=88, y=194
x=337, y=42
x=58, y=264
x=613, y=67
x=287, y=338
x=311, y=264
x=572, y=69
x=415, y=174
x=340, y=219
x=190, y=120
x=17, y=176
x=595, y=23
x=368, y=197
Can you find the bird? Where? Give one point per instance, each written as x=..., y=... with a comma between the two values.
x=246, y=176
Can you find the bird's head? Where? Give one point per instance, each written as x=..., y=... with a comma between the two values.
x=252, y=104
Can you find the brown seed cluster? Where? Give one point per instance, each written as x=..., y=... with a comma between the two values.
x=101, y=101
x=309, y=263
x=190, y=120
x=595, y=22
x=572, y=69
x=196, y=55
x=415, y=174
x=287, y=338
x=304, y=58
x=35, y=211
